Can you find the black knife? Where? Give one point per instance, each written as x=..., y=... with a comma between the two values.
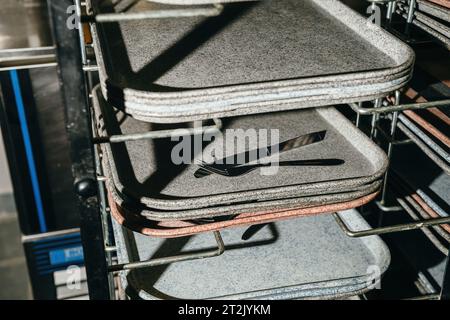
x=265, y=152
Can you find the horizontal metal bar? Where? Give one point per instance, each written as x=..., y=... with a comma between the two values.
x=433, y=296
x=212, y=11
x=400, y=107
x=160, y=134
x=389, y=229
x=90, y=68
x=20, y=65
x=27, y=58
x=385, y=208
x=40, y=236
x=26, y=53
x=389, y=138
x=408, y=206
x=110, y=248
x=167, y=260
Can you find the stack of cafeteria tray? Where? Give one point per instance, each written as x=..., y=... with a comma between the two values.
x=314, y=259
x=259, y=66
x=432, y=17
x=150, y=193
x=254, y=57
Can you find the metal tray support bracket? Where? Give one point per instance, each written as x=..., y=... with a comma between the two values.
x=400, y=107
x=160, y=134
x=390, y=107
x=210, y=11
x=389, y=229
x=173, y=259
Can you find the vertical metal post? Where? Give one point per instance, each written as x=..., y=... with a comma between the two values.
x=390, y=145
x=391, y=9
x=373, y=131
x=78, y=125
x=358, y=116
x=411, y=9
x=410, y=18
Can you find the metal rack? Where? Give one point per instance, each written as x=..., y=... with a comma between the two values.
x=75, y=72
x=413, y=17
x=391, y=111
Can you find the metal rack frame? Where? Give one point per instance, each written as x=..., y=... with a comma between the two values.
x=89, y=180
x=409, y=13
x=391, y=111
x=73, y=87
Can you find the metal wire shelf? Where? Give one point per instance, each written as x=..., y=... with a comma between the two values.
x=125, y=15
x=160, y=134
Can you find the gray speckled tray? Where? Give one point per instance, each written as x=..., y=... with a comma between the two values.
x=250, y=207
x=143, y=170
x=256, y=57
x=297, y=259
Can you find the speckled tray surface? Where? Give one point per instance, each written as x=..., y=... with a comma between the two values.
x=255, y=57
x=182, y=228
x=245, y=207
x=311, y=258
x=144, y=171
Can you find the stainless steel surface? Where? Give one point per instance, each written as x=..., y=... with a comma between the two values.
x=25, y=38
x=24, y=24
